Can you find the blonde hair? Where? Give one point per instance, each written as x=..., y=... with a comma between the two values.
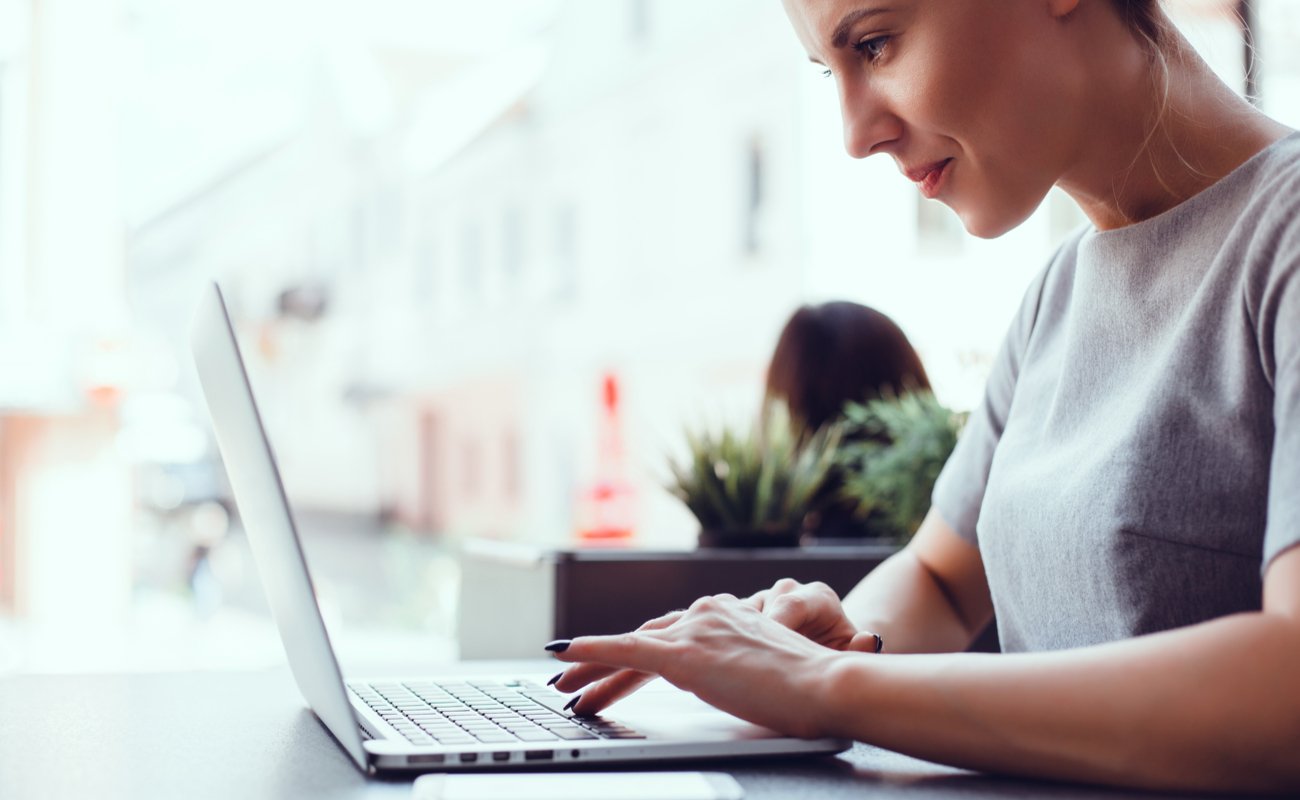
x=1156, y=34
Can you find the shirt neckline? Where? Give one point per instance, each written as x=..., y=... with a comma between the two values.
x=1152, y=225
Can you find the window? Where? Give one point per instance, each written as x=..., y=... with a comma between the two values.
x=424, y=280
x=511, y=468
x=512, y=246
x=359, y=239
x=471, y=260
x=638, y=29
x=388, y=220
x=566, y=252
x=471, y=464
x=751, y=232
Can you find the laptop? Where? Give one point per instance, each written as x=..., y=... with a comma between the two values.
x=444, y=722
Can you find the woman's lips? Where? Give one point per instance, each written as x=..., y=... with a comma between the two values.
x=930, y=177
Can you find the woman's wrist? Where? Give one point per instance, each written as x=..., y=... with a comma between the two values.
x=840, y=691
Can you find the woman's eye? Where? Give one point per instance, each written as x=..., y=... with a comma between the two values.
x=826, y=73
x=873, y=48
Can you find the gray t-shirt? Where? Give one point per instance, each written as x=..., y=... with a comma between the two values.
x=1135, y=463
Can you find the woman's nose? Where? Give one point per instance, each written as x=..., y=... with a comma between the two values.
x=869, y=125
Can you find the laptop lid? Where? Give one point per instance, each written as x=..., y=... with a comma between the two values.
x=268, y=521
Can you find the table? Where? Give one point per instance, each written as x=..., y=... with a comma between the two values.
x=249, y=735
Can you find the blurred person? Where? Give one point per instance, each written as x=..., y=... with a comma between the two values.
x=826, y=356
x=1127, y=495
x=830, y=354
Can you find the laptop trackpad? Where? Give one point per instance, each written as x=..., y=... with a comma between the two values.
x=661, y=711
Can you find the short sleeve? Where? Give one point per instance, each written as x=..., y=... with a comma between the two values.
x=959, y=490
x=1278, y=328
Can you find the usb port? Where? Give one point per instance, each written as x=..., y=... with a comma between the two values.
x=468, y=758
x=429, y=759
x=539, y=755
x=502, y=756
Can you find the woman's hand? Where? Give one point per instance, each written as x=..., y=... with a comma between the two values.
x=812, y=610
x=728, y=653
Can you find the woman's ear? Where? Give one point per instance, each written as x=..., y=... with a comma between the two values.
x=1061, y=8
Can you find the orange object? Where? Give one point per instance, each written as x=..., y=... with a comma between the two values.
x=607, y=507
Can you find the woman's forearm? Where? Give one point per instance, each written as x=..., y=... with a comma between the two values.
x=930, y=597
x=1215, y=706
x=904, y=604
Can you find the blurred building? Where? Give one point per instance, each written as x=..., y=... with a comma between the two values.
x=650, y=189
x=440, y=226
x=65, y=499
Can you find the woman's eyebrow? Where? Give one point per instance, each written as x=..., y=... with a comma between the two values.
x=841, y=35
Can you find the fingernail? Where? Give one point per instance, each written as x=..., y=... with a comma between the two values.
x=880, y=642
x=572, y=702
x=558, y=675
x=558, y=646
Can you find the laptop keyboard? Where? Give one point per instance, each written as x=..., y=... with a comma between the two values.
x=486, y=712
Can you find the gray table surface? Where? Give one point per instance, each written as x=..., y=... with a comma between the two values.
x=249, y=735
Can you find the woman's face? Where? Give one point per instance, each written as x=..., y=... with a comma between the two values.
x=972, y=98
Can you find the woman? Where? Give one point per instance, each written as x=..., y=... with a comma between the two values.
x=1127, y=496
x=835, y=352
x=826, y=356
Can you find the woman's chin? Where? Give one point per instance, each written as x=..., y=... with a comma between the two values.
x=990, y=223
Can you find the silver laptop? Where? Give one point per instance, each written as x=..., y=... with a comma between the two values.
x=433, y=723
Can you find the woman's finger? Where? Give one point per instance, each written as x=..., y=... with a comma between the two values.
x=866, y=642
x=579, y=675
x=609, y=691
x=762, y=599
x=791, y=610
x=642, y=650
x=758, y=599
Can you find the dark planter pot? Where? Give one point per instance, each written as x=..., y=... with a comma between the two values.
x=748, y=538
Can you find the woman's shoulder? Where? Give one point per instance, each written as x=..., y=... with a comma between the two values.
x=1268, y=233
x=1275, y=190
x=1269, y=225
x=1048, y=294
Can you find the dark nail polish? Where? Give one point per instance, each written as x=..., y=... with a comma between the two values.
x=558, y=646
x=572, y=702
x=552, y=681
x=880, y=642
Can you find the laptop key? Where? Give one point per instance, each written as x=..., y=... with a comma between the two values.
x=535, y=736
x=452, y=739
x=551, y=700
x=574, y=734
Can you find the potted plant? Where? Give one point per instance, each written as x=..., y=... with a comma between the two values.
x=892, y=453
x=753, y=489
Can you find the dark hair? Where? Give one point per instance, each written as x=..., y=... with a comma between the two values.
x=830, y=354
x=1146, y=20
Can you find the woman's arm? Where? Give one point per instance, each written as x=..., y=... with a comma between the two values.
x=930, y=597
x=1212, y=706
